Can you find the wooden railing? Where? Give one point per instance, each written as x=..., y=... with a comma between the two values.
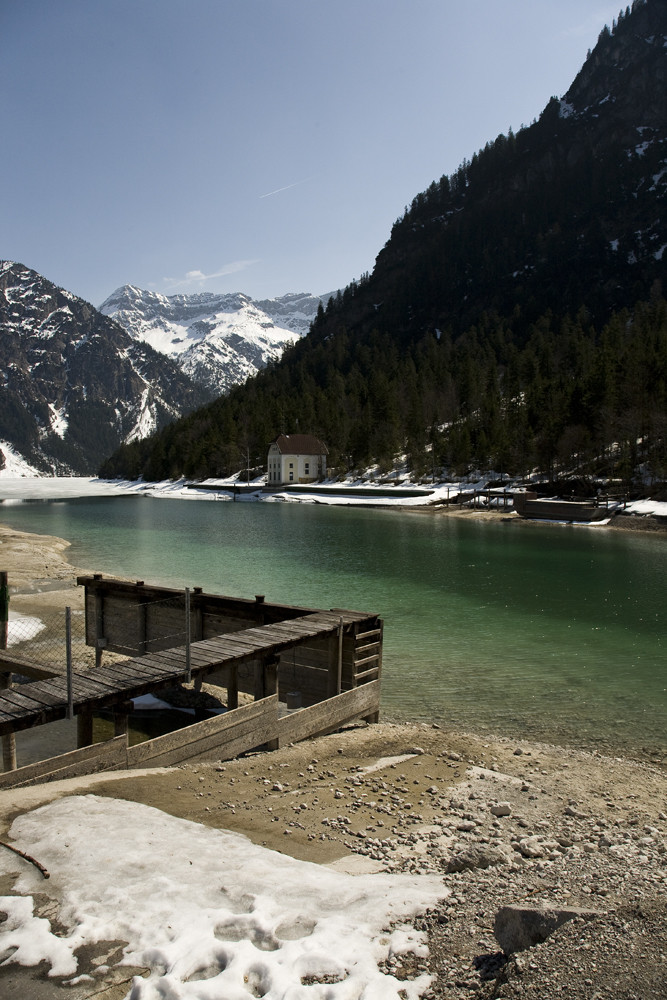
x=220, y=737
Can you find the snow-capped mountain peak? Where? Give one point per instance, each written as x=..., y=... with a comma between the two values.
x=218, y=340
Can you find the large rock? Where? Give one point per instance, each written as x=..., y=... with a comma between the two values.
x=479, y=856
x=519, y=927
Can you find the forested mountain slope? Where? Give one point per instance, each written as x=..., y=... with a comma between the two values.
x=514, y=319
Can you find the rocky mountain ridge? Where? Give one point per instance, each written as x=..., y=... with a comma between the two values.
x=218, y=340
x=75, y=385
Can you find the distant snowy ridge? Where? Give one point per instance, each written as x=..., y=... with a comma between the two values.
x=218, y=340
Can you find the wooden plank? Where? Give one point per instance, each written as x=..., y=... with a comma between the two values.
x=236, y=741
x=367, y=659
x=364, y=649
x=329, y=715
x=104, y=756
x=57, y=687
x=367, y=635
x=215, y=725
x=367, y=673
x=13, y=696
x=297, y=627
x=85, y=688
x=122, y=672
x=11, y=710
x=164, y=658
x=43, y=697
x=248, y=639
x=26, y=668
x=242, y=723
x=223, y=646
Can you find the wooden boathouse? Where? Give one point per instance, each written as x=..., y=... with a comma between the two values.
x=303, y=672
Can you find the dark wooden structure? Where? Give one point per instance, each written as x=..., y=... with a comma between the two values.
x=326, y=662
x=529, y=505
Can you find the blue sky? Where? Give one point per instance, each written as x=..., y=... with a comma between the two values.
x=263, y=146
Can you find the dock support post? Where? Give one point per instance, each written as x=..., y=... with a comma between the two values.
x=339, y=685
x=121, y=718
x=84, y=730
x=233, y=688
x=99, y=628
x=9, y=740
x=68, y=662
x=260, y=689
x=188, y=660
x=271, y=687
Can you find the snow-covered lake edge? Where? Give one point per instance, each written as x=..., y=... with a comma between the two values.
x=356, y=492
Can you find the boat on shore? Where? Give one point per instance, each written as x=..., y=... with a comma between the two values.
x=529, y=505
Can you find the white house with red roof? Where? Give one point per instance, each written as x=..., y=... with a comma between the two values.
x=296, y=458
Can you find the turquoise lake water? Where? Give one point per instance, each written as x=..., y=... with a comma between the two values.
x=543, y=631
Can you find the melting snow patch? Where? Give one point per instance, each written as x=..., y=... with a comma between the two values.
x=21, y=628
x=211, y=914
x=58, y=420
x=15, y=466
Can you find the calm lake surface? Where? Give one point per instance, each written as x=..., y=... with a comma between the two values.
x=525, y=630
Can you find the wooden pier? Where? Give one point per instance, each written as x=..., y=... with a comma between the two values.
x=326, y=662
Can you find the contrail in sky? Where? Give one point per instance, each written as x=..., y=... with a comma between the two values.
x=286, y=188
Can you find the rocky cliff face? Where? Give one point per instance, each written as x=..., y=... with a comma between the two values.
x=217, y=340
x=75, y=384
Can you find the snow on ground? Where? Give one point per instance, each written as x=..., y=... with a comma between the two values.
x=16, y=487
x=213, y=916
x=647, y=507
x=20, y=628
x=15, y=465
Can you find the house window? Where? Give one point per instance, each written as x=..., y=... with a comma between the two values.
x=307, y=468
x=291, y=477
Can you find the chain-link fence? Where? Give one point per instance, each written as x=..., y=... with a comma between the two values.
x=147, y=627
x=43, y=640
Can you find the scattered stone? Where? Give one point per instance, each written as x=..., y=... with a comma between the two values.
x=501, y=809
x=478, y=856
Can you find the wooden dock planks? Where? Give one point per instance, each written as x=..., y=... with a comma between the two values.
x=26, y=705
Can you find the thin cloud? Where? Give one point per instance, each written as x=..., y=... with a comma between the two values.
x=197, y=277
x=288, y=187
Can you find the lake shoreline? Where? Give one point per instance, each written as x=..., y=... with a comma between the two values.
x=502, y=820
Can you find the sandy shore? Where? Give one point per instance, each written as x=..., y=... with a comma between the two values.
x=501, y=822
x=41, y=578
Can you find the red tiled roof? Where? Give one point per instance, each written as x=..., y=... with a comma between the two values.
x=300, y=444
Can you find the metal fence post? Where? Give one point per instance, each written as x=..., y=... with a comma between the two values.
x=9, y=739
x=188, y=664
x=68, y=648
